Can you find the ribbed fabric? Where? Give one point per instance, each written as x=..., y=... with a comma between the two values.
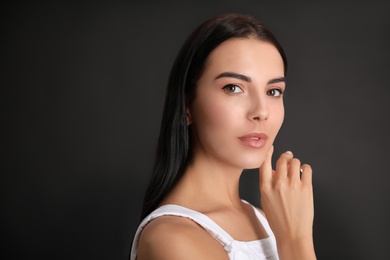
x=256, y=249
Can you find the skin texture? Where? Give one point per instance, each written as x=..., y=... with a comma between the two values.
x=225, y=109
x=219, y=117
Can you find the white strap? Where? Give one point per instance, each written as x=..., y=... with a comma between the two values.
x=204, y=221
x=174, y=210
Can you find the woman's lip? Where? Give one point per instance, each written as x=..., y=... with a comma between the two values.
x=254, y=140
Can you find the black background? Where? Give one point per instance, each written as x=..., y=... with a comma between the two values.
x=82, y=87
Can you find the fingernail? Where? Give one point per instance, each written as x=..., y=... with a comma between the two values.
x=289, y=152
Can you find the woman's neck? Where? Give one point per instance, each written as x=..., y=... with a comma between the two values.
x=207, y=184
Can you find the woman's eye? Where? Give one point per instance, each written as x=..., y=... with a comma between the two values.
x=274, y=92
x=232, y=88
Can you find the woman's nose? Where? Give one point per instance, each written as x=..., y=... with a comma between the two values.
x=259, y=109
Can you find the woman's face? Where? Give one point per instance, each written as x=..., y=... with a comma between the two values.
x=238, y=106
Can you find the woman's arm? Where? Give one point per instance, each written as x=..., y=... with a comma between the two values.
x=287, y=202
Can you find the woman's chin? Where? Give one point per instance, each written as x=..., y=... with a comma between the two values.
x=252, y=167
x=253, y=163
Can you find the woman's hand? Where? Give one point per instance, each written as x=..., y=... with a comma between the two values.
x=287, y=201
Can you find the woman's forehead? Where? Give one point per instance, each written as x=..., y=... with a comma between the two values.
x=244, y=55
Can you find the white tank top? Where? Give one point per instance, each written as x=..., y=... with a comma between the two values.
x=256, y=249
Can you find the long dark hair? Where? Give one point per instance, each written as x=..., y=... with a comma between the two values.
x=174, y=144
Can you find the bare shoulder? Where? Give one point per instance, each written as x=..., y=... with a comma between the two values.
x=171, y=237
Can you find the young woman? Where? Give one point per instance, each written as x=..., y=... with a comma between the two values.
x=223, y=110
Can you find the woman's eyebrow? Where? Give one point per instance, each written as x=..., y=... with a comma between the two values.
x=247, y=78
x=234, y=75
x=276, y=80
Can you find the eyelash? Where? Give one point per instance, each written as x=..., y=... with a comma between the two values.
x=269, y=92
x=225, y=88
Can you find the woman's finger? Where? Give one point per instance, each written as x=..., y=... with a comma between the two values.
x=282, y=165
x=266, y=168
x=294, y=169
x=307, y=174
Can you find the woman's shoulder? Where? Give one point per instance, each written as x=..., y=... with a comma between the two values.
x=173, y=237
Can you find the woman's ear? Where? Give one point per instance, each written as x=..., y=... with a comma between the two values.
x=188, y=111
x=188, y=115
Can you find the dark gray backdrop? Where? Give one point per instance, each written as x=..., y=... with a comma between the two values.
x=82, y=89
